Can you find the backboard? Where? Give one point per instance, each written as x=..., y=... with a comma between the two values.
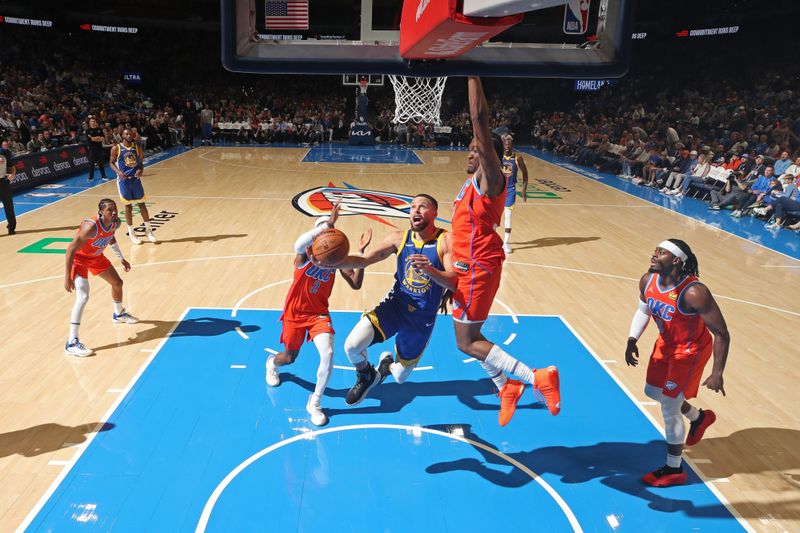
x=560, y=38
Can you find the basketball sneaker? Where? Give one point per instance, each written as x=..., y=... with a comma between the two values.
x=76, y=348
x=698, y=428
x=366, y=379
x=273, y=377
x=509, y=397
x=384, y=363
x=151, y=237
x=546, y=383
x=124, y=318
x=313, y=408
x=666, y=476
x=134, y=238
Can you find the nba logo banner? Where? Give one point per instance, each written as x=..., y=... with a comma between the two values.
x=576, y=17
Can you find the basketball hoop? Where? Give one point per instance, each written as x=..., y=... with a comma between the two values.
x=417, y=99
x=363, y=82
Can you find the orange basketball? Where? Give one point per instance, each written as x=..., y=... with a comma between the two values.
x=330, y=247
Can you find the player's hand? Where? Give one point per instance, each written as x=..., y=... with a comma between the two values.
x=126, y=266
x=632, y=353
x=420, y=262
x=138, y=173
x=313, y=259
x=69, y=284
x=715, y=383
x=364, y=240
x=447, y=298
x=334, y=216
x=524, y=196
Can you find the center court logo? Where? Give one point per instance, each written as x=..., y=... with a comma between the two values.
x=319, y=201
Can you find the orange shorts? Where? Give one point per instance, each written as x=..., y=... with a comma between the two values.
x=298, y=329
x=81, y=266
x=677, y=374
x=475, y=292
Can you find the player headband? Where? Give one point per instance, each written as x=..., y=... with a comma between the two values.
x=673, y=249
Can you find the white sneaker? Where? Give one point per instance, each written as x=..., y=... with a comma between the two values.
x=124, y=318
x=76, y=348
x=273, y=377
x=313, y=408
x=135, y=239
x=507, y=248
x=151, y=237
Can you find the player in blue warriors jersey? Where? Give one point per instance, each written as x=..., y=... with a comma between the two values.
x=126, y=162
x=512, y=163
x=408, y=312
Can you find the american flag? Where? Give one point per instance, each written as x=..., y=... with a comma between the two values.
x=286, y=15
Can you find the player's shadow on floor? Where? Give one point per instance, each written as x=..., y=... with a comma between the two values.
x=193, y=327
x=620, y=466
x=204, y=238
x=45, y=438
x=547, y=242
x=41, y=230
x=394, y=397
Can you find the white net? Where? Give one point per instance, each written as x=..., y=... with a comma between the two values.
x=417, y=99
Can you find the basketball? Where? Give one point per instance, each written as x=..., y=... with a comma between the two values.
x=330, y=247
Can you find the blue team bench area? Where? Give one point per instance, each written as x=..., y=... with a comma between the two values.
x=200, y=442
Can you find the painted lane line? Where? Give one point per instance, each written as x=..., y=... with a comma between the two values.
x=99, y=426
x=57, y=463
x=241, y=333
x=719, y=480
x=714, y=490
x=510, y=312
x=469, y=360
x=270, y=350
x=701, y=461
x=648, y=403
x=612, y=521
x=423, y=368
x=340, y=367
x=607, y=361
x=205, y=516
x=147, y=350
x=510, y=339
x=238, y=366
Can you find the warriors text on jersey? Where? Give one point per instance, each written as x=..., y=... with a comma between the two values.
x=309, y=293
x=415, y=288
x=476, y=218
x=682, y=332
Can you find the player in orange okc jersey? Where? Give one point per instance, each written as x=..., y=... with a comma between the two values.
x=684, y=311
x=85, y=255
x=305, y=313
x=478, y=261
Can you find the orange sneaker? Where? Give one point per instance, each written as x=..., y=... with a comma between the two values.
x=666, y=477
x=698, y=428
x=546, y=384
x=509, y=396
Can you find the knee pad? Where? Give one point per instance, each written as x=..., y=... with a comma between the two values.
x=81, y=289
x=508, y=211
x=674, y=427
x=400, y=372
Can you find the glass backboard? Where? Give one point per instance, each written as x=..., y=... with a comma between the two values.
x=362, y=36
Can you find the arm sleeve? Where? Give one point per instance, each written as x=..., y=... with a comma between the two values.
x=640, y=320
x=307, y=238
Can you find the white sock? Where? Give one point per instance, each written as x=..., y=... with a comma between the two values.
x=496, y=374
x=81, y=297
x=118, y=308
x=674, y=461
x=500, y=359
x=324, y=344
x=147, y=227
x=507, y=235
x=130, y=231
x=692, y=414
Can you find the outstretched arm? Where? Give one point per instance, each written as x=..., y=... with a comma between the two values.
x=699, y=298
x=354, y=278
x=490, y=176
x=389, y=246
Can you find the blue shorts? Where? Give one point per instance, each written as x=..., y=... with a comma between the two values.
x=412, y=329
x=131, y=190
x=511, y=197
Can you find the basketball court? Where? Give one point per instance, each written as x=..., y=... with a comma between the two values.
x=170, y=425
